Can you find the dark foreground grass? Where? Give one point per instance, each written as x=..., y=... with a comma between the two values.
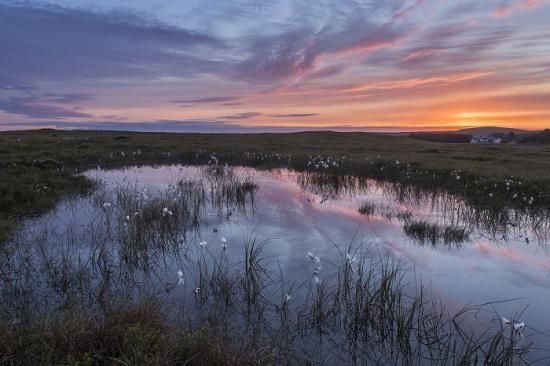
x=38, y=167
x=137, y=335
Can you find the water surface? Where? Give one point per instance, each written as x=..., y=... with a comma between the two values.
x=505, y=261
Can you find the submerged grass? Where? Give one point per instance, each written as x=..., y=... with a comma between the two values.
x=367, y=209
x=68, y=303
x=430, y=233
x=370, y=315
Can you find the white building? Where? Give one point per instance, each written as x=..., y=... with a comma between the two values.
x=486, y=140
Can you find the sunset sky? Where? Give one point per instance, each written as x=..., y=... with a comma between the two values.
x=255, y=65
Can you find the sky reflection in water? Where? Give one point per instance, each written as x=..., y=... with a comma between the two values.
x=296, y=220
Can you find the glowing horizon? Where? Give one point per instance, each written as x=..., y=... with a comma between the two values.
x=210, y=65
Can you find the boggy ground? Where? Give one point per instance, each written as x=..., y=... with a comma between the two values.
x=95, y=293
x=38, y=167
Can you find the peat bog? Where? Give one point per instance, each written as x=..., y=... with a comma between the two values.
x=303, y=256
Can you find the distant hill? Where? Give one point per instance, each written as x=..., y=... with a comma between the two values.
x=493, y=131
x=507, y=135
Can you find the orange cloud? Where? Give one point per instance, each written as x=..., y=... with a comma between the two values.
x=412, y=83
x=387, y=85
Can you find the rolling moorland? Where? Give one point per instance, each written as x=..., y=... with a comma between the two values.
x=39, y=167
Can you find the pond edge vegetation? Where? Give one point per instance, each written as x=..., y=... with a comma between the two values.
x=31, y=187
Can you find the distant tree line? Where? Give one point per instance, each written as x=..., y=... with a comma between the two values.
x=535, y=138
x=539, y=138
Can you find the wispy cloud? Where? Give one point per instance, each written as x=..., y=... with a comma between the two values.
x=10, y=84
x=245, y=115
x=66, y=97
x=32, y=108
x=388, y=85
x=508, y=7
x=294, y=115
x=421, y=54
x=206, y=100
x=298, y=52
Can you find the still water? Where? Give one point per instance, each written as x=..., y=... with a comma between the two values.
x=505, y=262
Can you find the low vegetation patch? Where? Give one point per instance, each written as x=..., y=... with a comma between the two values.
x=430, y=233
x=367, y=209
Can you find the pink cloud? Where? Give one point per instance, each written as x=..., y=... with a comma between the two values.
x=420, y=54
x=388, y=85
x=505, y=10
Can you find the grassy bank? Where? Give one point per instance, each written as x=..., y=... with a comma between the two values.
x=38, y=167
x=136, y=335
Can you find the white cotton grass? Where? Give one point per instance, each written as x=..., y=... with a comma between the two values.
x=314, y=258
x=202, y=244
x=166, y=212
x=181, y=279
x=351, y=259
x=316, y=266
x=287, y=298
x=107, y=205
x=518, y=326
x=224, y=244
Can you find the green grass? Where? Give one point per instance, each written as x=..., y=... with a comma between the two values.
x=38, y=167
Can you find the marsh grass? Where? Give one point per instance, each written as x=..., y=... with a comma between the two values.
x=114, y=297
x=457, y=218
x=367, y=209
x=228, y=189
x=373, y=312
x=136, y=335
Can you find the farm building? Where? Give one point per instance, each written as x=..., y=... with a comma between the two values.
x=485, y=140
